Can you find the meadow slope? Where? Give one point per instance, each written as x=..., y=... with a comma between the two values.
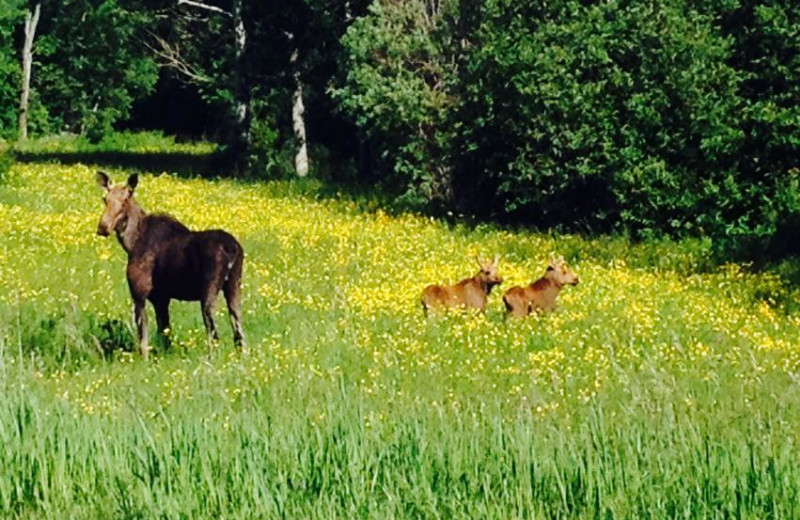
x=664, y=387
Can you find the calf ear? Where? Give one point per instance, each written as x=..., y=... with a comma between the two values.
x=102, y=180
x=133, y=180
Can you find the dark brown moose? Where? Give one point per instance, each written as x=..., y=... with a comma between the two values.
x=541, y=294
x=469, y=293
x=168, y=261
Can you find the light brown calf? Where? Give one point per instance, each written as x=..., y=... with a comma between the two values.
x=469, y=293
x=541, y=294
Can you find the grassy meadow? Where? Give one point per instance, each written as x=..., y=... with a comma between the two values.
x=665, y=386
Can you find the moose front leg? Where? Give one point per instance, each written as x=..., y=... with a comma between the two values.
x=140, y=319
x=162, y=321
x=140, y=283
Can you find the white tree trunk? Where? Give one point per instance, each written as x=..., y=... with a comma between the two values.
x=31, y=20
x=241, y=90
x=298, y=120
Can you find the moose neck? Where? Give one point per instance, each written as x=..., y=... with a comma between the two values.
x=554, y=283
x=484, y=286
x=134, y=218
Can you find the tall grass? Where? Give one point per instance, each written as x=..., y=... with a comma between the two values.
x=648, y=457
x=664, y=387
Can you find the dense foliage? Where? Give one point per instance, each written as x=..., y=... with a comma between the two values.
x=400, y=88
x=670, y=117
x=665, y=116
x=90, y=72
x=10, y=15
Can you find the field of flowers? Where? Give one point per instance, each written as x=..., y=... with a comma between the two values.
x=664, y=386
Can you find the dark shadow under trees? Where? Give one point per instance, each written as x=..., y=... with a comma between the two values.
x=182, y=164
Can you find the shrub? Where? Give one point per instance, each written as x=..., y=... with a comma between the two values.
x=6, y=161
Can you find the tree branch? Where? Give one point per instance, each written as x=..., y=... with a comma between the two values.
x=207, y=7
x=169, y=56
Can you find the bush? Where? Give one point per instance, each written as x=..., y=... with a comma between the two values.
x=270, y=154
x=6, y=162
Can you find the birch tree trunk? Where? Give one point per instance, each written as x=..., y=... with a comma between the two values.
x=298, y=119
x=31, y=20
x=242, y=116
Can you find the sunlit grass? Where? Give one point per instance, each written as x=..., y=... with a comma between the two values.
x=120, y=142
x=664, y=386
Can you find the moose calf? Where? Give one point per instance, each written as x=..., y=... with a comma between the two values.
x=168, y=261
x=469, y=293
x=541, y=294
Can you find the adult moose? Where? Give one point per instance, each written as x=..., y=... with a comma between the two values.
x=168, y=261
x=470, y=292
x=540, y=295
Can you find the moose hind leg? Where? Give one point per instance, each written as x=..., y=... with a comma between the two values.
x=233, y=297
x=207, y=306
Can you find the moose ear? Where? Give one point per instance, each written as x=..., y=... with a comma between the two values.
x=133, y=180
x=102, y=180
x=496, y=260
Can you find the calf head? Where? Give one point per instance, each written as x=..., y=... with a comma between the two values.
x=117, y=201
x=559, y=273
x=488, y=275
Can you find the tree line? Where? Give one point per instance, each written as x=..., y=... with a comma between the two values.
x=673, y=117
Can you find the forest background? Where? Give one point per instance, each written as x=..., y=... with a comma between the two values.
x=666, y=117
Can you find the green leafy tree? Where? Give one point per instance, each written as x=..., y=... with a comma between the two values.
x=400, y=88
x=766, y=43
x=92, y=63
x=605, y=114
x=11, y=14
